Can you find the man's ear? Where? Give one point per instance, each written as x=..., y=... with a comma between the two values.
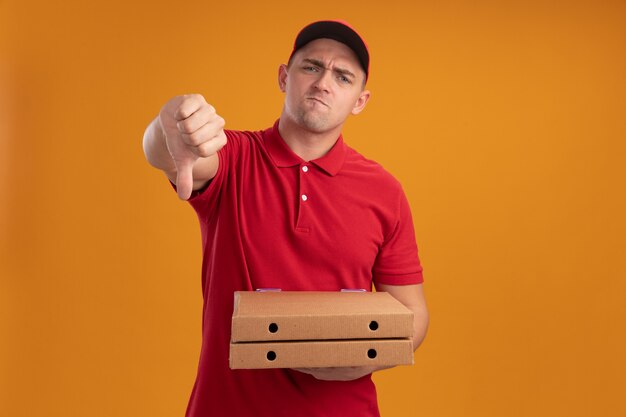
x=282, y=77
x=361, y=102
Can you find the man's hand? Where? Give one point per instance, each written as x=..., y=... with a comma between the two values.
x=192, y=130
x=344, y=373
x=412, y=296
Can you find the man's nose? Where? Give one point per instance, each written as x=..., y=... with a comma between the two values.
x=323, y=80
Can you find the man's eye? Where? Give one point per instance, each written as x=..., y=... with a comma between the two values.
x=345, y=79
x=310, y=68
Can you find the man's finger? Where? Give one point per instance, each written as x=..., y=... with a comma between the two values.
x=204, y=134
x=196, y=120
x=189, y=105
x=184, y=179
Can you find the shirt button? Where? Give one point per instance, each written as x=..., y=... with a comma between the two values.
x=305, y=168
x=304, y=197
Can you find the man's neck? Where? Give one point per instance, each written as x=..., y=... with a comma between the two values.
x=304, y=143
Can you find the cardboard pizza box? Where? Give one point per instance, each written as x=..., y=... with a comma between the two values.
x=313, y=315
x=320, y=354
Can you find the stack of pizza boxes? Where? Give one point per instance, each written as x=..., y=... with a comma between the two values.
x=302, y=329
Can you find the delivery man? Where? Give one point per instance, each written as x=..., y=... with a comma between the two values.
x=290, y=207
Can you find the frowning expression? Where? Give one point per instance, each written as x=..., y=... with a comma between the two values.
x=323, y=84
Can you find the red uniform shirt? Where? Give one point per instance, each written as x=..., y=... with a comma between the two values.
x=271, y=220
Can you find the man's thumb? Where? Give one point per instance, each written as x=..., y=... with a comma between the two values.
x=184, y=179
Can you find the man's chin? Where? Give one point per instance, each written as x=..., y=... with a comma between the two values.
x=314, y=124
x=317, y=127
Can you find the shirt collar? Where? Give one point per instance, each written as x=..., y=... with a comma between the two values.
x=283, y=156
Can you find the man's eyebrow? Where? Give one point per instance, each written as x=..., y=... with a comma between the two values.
x=319, y=63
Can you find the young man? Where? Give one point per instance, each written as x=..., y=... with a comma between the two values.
x=290, y=207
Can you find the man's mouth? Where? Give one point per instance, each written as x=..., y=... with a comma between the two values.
x=318, y=100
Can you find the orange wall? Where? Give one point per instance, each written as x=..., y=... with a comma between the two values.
x=505, y=121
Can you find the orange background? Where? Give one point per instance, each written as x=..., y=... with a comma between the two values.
x=505, y=122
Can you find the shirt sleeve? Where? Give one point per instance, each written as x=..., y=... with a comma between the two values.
x=397, y=262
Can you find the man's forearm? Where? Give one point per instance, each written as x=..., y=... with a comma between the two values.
x=412, y=296
x=420, y=325
x=155, y=148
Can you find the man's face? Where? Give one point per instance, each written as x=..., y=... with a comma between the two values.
x=323, y=85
